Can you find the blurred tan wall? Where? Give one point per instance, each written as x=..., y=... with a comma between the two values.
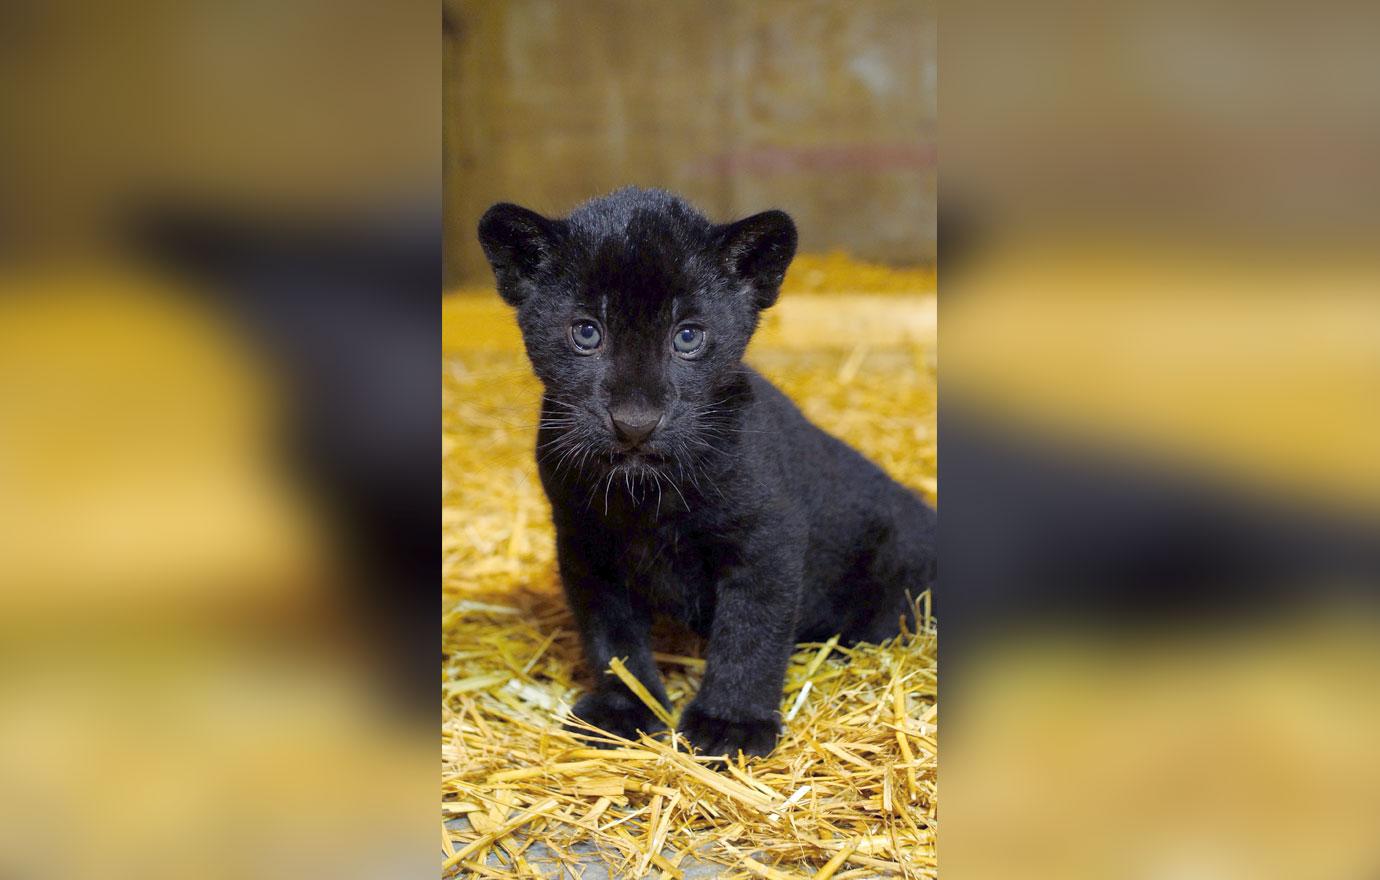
x=295, y=108
x=825, y=109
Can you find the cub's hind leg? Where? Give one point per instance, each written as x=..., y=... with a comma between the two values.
x=901, y=569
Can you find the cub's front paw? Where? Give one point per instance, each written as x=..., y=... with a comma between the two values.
x=617, y=712
x=712, y=735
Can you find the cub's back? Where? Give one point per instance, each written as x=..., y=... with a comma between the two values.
x=870, y=541
x=842, y=495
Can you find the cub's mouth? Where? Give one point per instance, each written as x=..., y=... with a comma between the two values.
x=638, y=458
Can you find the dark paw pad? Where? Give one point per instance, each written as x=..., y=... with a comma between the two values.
x=618, y=713
x=720, y=736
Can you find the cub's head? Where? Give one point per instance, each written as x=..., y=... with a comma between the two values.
x=636, y=311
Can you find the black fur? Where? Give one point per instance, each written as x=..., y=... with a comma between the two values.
x=735, y=515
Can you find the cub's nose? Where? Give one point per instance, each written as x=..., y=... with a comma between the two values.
x=634, y=425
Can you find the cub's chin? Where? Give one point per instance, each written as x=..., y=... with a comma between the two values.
x=639, y=471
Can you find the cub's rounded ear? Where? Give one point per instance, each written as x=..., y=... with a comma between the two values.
x=758, y=249
x=517, y=242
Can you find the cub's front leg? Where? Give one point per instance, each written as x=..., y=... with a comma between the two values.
x=613, y=622
x=750, y=643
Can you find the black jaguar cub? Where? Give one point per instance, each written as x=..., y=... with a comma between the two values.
x=682, y=483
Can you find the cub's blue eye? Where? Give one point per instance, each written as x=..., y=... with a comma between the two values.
x=688, y=340
x=586, y=336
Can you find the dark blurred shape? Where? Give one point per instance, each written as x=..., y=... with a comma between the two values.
x=346, y=314
x=960, y=234
x=1045, y=529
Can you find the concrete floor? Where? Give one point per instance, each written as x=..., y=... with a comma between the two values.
x=593, y=868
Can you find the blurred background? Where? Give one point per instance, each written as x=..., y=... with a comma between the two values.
x=219, y=263
x=826, y=110
x=1159, y=425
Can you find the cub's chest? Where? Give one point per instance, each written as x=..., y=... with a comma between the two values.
x=672, y=567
